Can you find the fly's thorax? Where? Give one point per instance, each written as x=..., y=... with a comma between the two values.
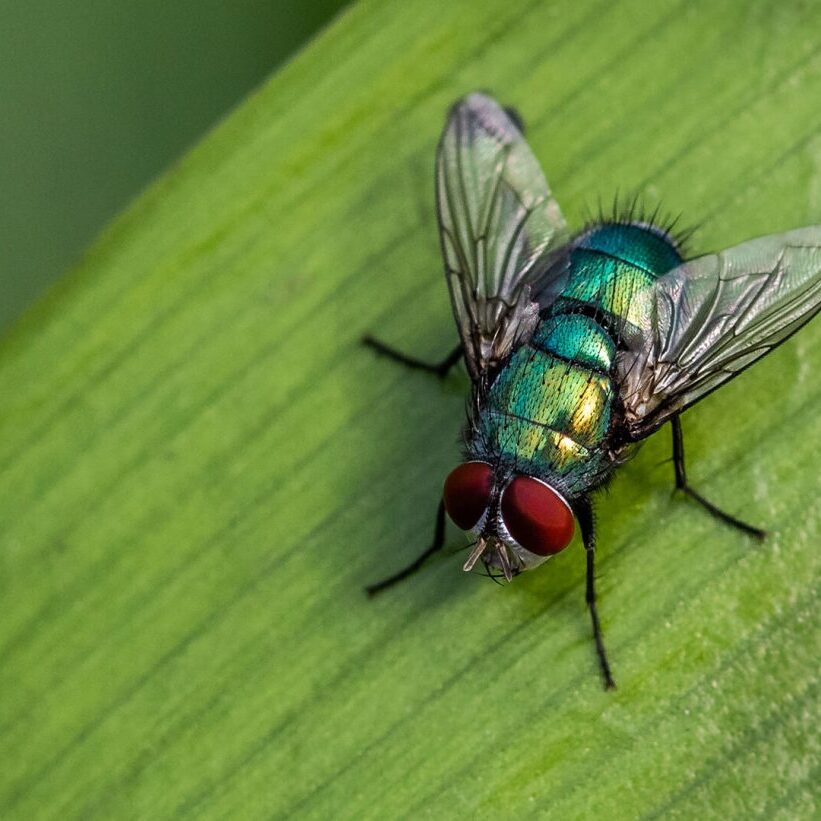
x=636, y=243
x=612, y=262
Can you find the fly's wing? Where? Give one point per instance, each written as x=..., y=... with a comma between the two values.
x=708, y=319
x=498, y=224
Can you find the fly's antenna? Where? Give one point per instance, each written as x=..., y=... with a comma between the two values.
x=501, y=551
x=481, y=545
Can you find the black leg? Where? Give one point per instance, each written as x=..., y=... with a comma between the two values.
x=681, y=484
x=584, y=513
x=436, y=545
x=440, y=369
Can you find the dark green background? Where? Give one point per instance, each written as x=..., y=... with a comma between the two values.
x=97, y=98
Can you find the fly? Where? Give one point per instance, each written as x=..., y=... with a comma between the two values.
x=579, y=347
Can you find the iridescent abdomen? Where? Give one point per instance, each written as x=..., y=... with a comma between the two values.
x=549, y=411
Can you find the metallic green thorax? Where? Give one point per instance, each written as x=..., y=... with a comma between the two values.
x=549, y=410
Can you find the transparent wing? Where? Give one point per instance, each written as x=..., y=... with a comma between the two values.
x=708, y=319
x=498, y=224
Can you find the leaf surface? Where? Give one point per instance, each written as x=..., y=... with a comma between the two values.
x=200, y=467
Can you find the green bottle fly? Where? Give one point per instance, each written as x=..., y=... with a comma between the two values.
x=580, y=347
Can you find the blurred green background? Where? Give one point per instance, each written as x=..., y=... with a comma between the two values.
x=97, y=98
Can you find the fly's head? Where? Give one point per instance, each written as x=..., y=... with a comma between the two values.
x=518, y=521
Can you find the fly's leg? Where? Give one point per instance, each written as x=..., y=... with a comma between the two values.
x=435, y=546
x=584, y=513
x=681, y=484
x=440, y=369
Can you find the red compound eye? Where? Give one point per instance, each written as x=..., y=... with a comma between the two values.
x=536, y=516
x=467, y=493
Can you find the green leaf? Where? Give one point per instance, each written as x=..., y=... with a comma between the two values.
x=201, y=467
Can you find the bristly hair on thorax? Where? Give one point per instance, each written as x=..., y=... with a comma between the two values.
x=632, y=210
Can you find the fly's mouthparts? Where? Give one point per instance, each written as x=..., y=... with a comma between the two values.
x=500, y=553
